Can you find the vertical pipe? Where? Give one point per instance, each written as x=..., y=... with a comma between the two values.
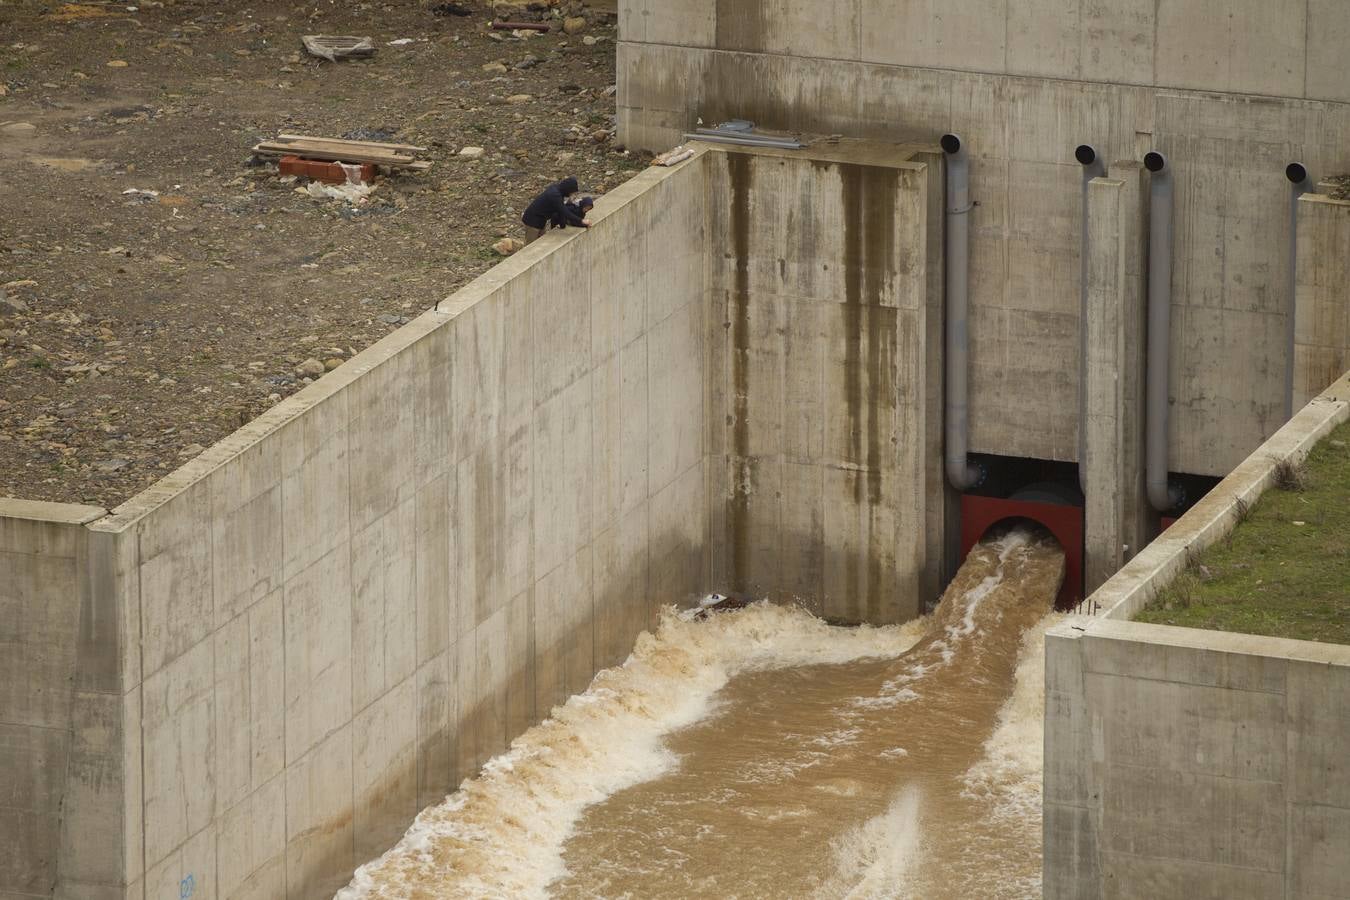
x=1161, y=494
x=1093, y=167
x=1298, y=185
x=960, y=472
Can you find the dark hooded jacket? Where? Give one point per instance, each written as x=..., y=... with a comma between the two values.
x=551, y=204
x=579, y=210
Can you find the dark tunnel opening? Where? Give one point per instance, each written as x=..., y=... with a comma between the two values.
x=1042, y=492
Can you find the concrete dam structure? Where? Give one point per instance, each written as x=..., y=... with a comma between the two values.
x=769, y=379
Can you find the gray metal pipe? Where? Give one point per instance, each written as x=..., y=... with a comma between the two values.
x=779, y=144
x=1093, y=167
x=1299, y=184
x=960, y=472
x=1161, y=493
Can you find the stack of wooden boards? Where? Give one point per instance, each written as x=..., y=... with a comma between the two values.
x=393, y=156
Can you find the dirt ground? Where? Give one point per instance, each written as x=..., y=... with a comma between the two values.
x=136, y=330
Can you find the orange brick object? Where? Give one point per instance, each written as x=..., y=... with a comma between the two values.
x=321, y=170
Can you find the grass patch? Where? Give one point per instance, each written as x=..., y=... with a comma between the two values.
x=1285, y=569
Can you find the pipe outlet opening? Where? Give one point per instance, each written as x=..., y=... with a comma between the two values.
x=1154, y=161
x=1085, y=154
x=951, y=143
x=1296, y=173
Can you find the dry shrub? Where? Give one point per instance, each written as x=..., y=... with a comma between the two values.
x=1290, y=475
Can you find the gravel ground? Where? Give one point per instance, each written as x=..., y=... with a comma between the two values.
x=137, y=329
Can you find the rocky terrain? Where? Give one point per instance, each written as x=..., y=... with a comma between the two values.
x=159, y=288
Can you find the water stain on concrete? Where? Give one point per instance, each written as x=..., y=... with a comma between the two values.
x=742, y=25
x=740, y=172
x=868, y=197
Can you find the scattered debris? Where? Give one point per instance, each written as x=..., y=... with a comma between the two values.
x=140, y=194
x=673, y=157
x=472, y=152
x=507, y=246
x=574, y=24
x=400, y=42
x=714, y=603
x=451, y=9
x=355, y=194
x=335, y=47
x=1340, y=187
x=327, y=172
x=310, y=368
x=117, y=64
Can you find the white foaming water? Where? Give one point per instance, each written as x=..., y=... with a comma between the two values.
x=875, y=859
x=703, y=750
x=1009, y=772
x=897, y=690
x=878, y=858
x=501, y=835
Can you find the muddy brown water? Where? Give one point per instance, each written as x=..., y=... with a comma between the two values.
x=860, y=770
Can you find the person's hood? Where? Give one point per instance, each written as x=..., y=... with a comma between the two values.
x=568, y=186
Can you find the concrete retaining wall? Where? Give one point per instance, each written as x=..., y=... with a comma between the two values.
x=1188, y=763
x=827, y=374
x=322, y=623
x=61, y=776
x=1230, y=92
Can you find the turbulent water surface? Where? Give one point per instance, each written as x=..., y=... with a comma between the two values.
x=762, y=753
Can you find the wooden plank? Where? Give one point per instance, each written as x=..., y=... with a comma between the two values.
x=299, y=146
x=302, y=147
x=328, y=140
x=347, y=157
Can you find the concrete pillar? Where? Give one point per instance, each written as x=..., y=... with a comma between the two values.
x=1322, y=292
x=1115, y=513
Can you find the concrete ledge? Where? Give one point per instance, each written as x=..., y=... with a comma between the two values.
x=1229, y=642
x=56, y=513
x=1210, y=520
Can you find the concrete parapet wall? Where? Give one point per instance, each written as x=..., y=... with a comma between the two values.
x=1217, y=513
x=1024, y=83
x=248, y=679
x=1186, y=763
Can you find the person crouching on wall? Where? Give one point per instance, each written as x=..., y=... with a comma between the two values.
x=581, y=209
x=551, y=204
